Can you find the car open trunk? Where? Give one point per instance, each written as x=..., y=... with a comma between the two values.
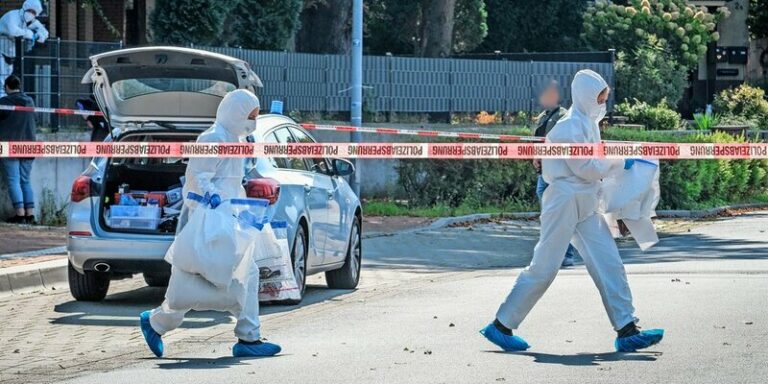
x=152, y=184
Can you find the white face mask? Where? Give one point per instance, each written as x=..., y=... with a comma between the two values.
x=602, y=111
x=29, y=17
x=249, y=127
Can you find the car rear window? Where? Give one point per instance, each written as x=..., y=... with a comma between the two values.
x=129, y=88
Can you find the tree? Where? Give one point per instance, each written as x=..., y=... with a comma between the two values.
x=435, y=28
x=265, y=24
x=533, y=25
x=182, y=22
x=471, y=28
x=650, y=74
x=680, y=28
x=326, y=26
x=757, y=18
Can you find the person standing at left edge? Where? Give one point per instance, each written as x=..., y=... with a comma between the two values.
x=18, y=126
x=569, y=213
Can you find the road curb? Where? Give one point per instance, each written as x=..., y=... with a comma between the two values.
x=697, y=214
x=33, y=277
x=444, y=222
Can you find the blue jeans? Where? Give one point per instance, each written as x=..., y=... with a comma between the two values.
x=17, y=175
x=541, y=185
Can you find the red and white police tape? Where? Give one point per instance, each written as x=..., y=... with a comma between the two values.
x=526, y=147
x=55, y=111
x=388, y=150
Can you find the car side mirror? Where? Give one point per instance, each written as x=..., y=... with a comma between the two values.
x=342, y=167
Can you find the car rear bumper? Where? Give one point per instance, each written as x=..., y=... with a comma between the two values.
x=122, y=255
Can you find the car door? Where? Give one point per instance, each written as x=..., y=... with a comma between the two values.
x=327, y=187
x=295, y=174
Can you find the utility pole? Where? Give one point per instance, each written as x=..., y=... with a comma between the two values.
x=356, y=80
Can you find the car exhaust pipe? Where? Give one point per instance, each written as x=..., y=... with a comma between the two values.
x=101, y=267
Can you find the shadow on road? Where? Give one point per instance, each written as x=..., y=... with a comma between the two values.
x=122, y=309
x=583, y=359
x=206, y=363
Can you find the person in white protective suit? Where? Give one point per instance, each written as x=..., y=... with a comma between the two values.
x=19, y=23
x=569, y=213
x=220, y=179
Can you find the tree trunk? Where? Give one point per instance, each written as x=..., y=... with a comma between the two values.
x=438, y=22
x=325, y=27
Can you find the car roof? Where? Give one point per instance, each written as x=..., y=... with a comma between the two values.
x=269, y=121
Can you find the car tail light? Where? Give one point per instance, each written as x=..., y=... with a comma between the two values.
x=81, y=189
x=263, y=188
x=80, y=233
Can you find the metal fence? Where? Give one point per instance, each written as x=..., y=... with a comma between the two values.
x=52, y=72
x=310, y=82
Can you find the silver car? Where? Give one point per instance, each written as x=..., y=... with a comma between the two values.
x=157, y=94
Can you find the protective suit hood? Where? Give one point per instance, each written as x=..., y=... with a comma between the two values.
x=34, y=5
x=233, y=111
x=585, y=88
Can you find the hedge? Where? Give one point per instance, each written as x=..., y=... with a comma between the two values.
x=685, y=184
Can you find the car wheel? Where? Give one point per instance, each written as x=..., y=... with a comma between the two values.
x=90, y=286
x=156, y=280
x=348, y=275
x=299, y=260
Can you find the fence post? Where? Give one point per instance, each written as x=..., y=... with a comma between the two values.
x=285, y=78
x=18, y=62
x=56, y=86
x=531, y=96
x=391, y=81
x=450, y=86
x=506, y=96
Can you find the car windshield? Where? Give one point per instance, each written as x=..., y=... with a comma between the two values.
x=129, y=88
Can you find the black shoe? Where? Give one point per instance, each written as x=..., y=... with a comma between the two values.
x=30, y=220
x=16, y=220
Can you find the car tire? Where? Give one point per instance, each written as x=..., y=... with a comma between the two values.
x=157, y=280
x=348, y=276
x=90, y=286
x=300, y=244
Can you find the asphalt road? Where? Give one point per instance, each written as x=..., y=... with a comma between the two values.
x=416, y=315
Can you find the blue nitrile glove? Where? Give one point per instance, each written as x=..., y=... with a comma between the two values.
x=628, y=163
x=215, y=200
x=35, y=36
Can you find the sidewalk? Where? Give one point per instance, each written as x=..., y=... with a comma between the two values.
x=34, y=258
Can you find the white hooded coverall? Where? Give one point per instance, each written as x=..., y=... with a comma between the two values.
x=222, y=176
x=569, y=214
x=13, y=25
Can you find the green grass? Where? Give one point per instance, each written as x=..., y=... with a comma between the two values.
x=391, y=208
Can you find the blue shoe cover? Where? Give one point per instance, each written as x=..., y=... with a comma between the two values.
x=506, y=342
x=255, y=350
x=153, y=339
x=644, y=339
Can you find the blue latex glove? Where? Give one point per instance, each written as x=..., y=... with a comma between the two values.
x=628, y=163
x=215, y=200
x=35, y=36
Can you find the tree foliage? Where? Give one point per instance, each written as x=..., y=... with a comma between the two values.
x=257, y=24
x=265, y=24
x=679, y=27
x=399, y=26
x=650, y=74
x=471, y=27
x=182, y=22
x=757, y=18
x=533, y=25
